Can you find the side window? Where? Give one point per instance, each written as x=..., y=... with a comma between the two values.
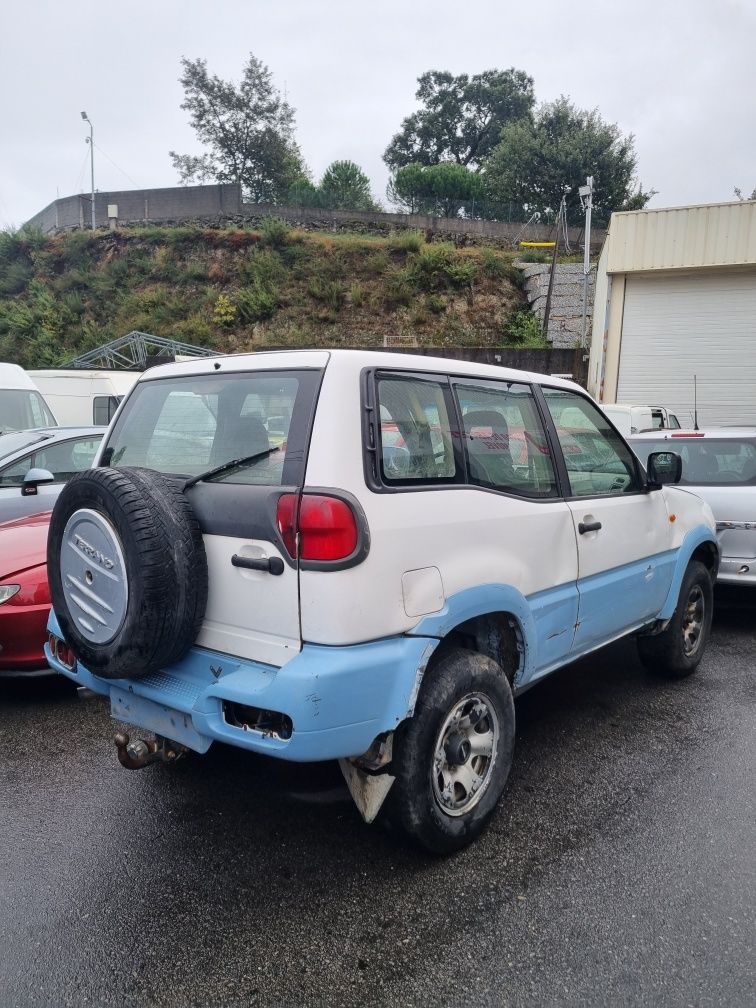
x=13, y=474
x=83, y=453
x=504, y=439
x=103, y=409
x=598, y=460
x=416, y=444
x=67, y=457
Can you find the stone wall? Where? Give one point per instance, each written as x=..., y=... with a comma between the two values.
x=566, y=314
x=221, y=204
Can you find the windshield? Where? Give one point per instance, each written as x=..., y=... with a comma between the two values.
x=10, y=443
x=22, y=409
x=707, y=462
x=193, y=426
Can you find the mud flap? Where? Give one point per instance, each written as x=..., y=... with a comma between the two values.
x=367, y=790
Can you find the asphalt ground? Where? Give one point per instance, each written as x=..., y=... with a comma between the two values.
x=620, y=868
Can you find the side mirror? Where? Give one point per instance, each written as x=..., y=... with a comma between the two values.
x=663, y=467
x=33, y=479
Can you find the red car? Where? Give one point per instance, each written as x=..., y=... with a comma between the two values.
x=24, y=596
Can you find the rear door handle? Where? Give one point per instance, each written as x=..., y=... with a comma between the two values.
x=273, y=565
x=584, y=527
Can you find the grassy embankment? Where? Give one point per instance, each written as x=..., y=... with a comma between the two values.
x=237, y=289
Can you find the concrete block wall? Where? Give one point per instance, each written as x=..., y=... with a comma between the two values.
x=566, y=315
x=222, y=204
x=215, y=203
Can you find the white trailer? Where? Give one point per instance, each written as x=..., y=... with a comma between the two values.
x=81, y=397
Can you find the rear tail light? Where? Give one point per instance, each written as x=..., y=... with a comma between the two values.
x=326, y=527
x=62, y=652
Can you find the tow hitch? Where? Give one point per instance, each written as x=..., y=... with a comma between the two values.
x=141, y=752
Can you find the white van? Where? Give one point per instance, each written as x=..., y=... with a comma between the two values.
x=22, y=406
x=81, y=397
x=634, y=419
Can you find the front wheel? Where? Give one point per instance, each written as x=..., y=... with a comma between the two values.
x=678, y=650
x=452, y=758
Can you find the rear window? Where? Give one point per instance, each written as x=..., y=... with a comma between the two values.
x=707, y=462
x=187, y=426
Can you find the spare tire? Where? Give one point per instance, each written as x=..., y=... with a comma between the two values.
x=127, y=570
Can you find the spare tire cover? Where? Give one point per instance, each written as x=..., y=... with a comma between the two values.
x=127, y=570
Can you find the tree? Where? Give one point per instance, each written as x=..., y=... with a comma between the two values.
x=248, y=131
x=741, y=197
x=445, y=190
x=345, y=186
x=462, y=118
x=536, y=162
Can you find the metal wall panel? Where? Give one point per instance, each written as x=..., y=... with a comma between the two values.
x=722, y=234
x=678, y=326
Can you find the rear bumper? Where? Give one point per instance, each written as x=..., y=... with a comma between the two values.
x=338, y=698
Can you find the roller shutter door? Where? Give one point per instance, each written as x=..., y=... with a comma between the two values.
x=681, y=325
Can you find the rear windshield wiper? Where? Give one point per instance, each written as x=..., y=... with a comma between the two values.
x=228, y=466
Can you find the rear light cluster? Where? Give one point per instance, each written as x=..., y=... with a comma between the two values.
x=317, y=527
x=60, y=650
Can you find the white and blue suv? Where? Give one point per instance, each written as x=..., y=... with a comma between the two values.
x=334, y=554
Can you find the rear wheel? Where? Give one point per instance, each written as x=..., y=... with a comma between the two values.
x=678, y=650
x=452, y=758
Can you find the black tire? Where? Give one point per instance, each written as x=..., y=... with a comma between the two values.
x=678, y=650
x=145, y=525
x=415, y=805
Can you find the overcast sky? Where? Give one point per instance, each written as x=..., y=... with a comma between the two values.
x=678, y=74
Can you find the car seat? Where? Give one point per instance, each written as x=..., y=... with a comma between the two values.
x=490, y=457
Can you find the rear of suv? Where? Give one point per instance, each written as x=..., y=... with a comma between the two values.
x=416, y=542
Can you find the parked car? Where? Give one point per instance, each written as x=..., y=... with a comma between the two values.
x=720, y=466
x=24, y=596
x=34, y=465
x=318, y=600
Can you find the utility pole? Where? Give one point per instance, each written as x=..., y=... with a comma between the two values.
x=586, y=198
x=90, y=141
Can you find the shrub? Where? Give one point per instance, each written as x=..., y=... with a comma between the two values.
x=224, y=311
x=436, y=304
x=327, y=292
x=406, y=241
x=535, y=257
x=263, y=267
x=524, y=330
x=438, y=266
x=274, y=231
x=356, y=294
x=376, y=264
x=14, y=277
x=254, y=304
x=398, y=289
x=494, y=265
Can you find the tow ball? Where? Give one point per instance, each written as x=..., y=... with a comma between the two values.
x=139, y=753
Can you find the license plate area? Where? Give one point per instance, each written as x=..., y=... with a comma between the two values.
x=155, y=717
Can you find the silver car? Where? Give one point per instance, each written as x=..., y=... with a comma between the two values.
x=35, y=464
x=720, y=466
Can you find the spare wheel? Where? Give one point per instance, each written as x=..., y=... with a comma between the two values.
x=127, y=570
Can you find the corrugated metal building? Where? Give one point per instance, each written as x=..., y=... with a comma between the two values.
x=676, y=298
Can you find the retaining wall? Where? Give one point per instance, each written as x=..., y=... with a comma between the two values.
x=221, y=204
x=566, y=314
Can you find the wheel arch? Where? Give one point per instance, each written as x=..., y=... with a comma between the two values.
x=698, y=544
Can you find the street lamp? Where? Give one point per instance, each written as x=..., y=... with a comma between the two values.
x=90, y=141
x=586, y=198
